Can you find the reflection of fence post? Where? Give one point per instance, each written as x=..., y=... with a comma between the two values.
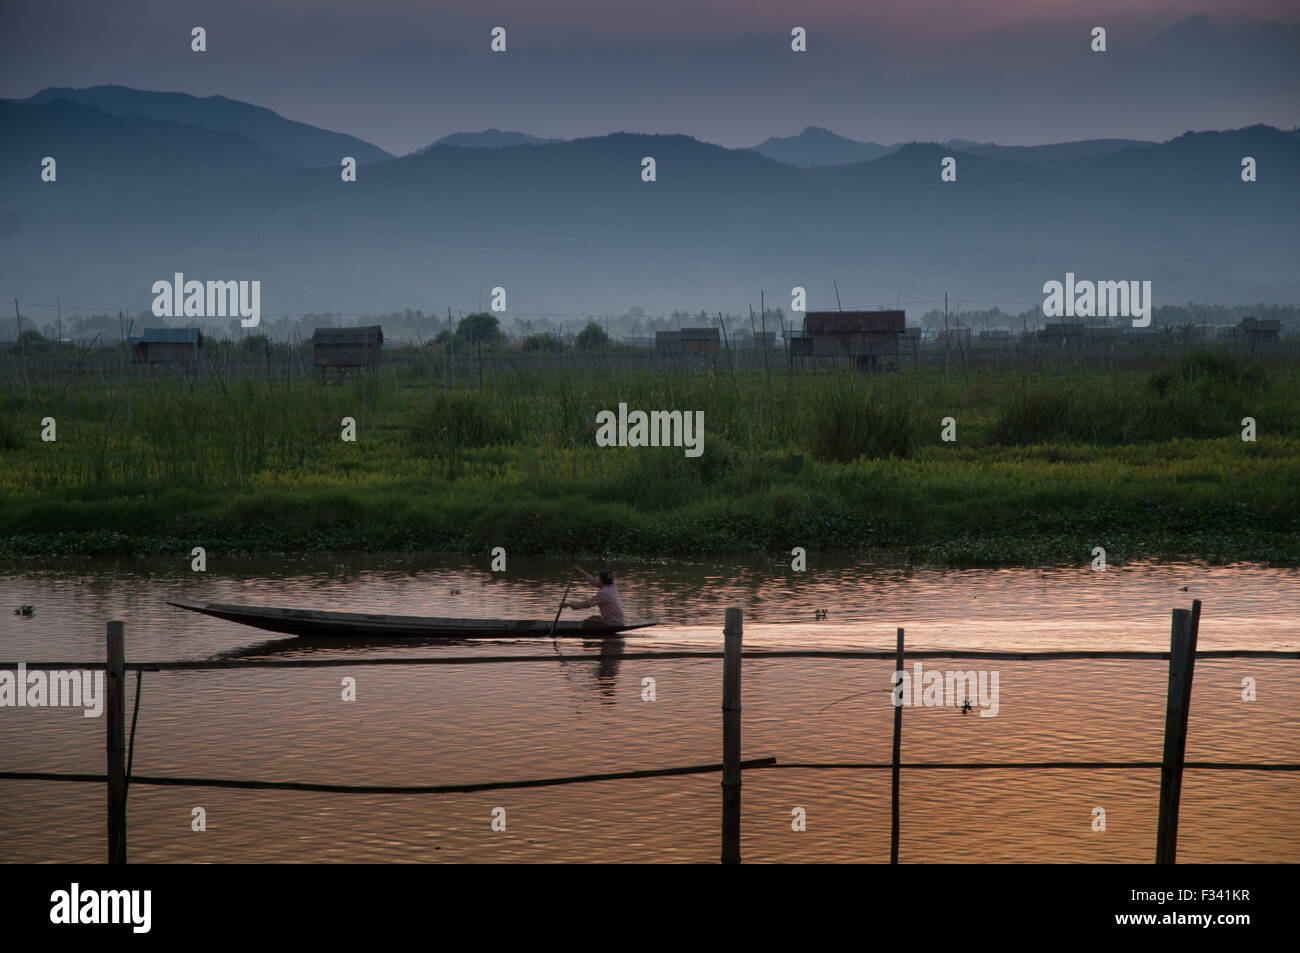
x=897, y=757
x=1182, y=660
x=731, y=739
x=116, y=703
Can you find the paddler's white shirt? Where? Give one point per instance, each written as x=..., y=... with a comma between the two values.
x=606, y=599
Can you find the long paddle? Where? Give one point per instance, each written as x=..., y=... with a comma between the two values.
x=556, y=621
x=555, y=643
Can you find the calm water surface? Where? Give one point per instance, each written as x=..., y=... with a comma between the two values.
x=575, y=715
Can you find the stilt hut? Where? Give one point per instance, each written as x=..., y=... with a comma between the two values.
x=867, y=340
x=347, y=348
x=166, y=346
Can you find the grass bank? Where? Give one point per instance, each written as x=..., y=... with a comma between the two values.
x=1045, y=466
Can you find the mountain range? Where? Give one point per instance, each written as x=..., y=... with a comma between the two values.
x=281, y=137
x=145, y=189
x=818, y=147
x=490, y=139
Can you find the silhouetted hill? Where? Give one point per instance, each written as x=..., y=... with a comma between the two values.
x=1055, y=152
x=488, y=139
x=571, y=227
x=279, y=136
x=820, y=147
x=99, y=155
x=816, y=146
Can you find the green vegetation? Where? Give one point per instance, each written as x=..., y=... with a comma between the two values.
x=1046, y=465
x=542, y=342
x=591, y=338
x=477, y=330
x=480, y=328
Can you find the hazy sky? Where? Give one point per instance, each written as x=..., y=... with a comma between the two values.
x=402, y=73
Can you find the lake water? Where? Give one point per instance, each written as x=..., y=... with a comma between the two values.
x=577, y=715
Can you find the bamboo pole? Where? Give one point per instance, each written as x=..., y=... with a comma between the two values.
x=753, y=334
x=22, y=349
x=1182, y=661
x=897, y=758
x=116, y=743
x=731, y=738
x=126, y=382
x=270, y=387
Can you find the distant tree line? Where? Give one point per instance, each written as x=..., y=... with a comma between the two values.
x=534, y=333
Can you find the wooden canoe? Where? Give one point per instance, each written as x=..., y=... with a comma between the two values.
x=316, y=622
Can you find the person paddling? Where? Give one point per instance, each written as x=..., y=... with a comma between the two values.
x=606, y=598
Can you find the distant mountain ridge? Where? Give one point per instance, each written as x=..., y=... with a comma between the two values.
x=281, y=137
x=313, y=146
x=488, y=139
x=571, y=225
x=98, y=154
x=1053, y=152
x=816, y=146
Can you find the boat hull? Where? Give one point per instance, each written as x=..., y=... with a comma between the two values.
x=316, y=623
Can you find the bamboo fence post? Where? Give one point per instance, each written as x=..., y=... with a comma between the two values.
x=1182, y=660
x=731, y=738
x=116, y=743
x=897, y=759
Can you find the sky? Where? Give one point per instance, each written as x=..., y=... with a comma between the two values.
x=402, y=73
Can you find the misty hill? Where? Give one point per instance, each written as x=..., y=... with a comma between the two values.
x=570, y=227
x=819, y=147
x=488, y=139
x=1055, y=152
x=100, y=155
x=816, y=146
x=282, y=137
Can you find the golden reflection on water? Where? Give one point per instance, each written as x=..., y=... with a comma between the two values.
x=575, y=715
